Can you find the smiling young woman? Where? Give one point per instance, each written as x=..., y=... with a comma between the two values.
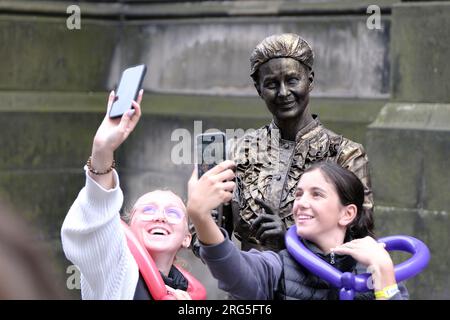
x=329, y=215
x=92, y=233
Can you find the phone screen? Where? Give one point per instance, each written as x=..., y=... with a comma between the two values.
x=211, y=150
x=128, y=90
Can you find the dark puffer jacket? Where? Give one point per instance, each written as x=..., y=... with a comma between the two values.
x=297, y=283
x=267, y=275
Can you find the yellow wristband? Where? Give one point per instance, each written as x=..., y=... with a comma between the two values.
x=387, y=292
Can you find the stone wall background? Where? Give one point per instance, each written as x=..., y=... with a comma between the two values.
x=387, y=89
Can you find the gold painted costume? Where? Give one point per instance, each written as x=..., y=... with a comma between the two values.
x=269, y=168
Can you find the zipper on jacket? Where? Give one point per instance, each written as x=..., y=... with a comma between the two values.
x=332, y=258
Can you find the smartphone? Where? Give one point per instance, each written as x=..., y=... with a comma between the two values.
x=128, y=90
x=211, y=150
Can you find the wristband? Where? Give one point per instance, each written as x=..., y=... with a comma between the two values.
x=387, y=292
x=89, y=165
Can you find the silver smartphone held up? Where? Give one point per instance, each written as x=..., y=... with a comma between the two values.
x=128, y=90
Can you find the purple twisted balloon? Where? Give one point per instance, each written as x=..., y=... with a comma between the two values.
x=348, y=282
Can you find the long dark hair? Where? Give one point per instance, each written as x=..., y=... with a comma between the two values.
x=350, y=191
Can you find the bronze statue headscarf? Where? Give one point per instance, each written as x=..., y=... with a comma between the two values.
x=287, y=45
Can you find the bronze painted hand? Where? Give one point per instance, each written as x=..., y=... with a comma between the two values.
x=269, y=227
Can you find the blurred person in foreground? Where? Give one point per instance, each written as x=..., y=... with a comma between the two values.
x=26, y=271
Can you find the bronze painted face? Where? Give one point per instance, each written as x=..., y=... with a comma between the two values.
x=284, y=84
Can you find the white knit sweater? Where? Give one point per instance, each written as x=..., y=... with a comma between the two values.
x=93, y=239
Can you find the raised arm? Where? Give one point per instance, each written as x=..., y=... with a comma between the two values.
x=214, y=188
x=110, y=135
x=91, y=234
x=245, y=275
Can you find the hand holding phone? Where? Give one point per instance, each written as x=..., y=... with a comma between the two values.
x=211, y=150
x=128, y=90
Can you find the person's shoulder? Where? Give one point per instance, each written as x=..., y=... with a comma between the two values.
x=254, y=133
x=245, y=138
x=352, y=145
x=344, y=148
x=344, y=142
x=269, y=257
